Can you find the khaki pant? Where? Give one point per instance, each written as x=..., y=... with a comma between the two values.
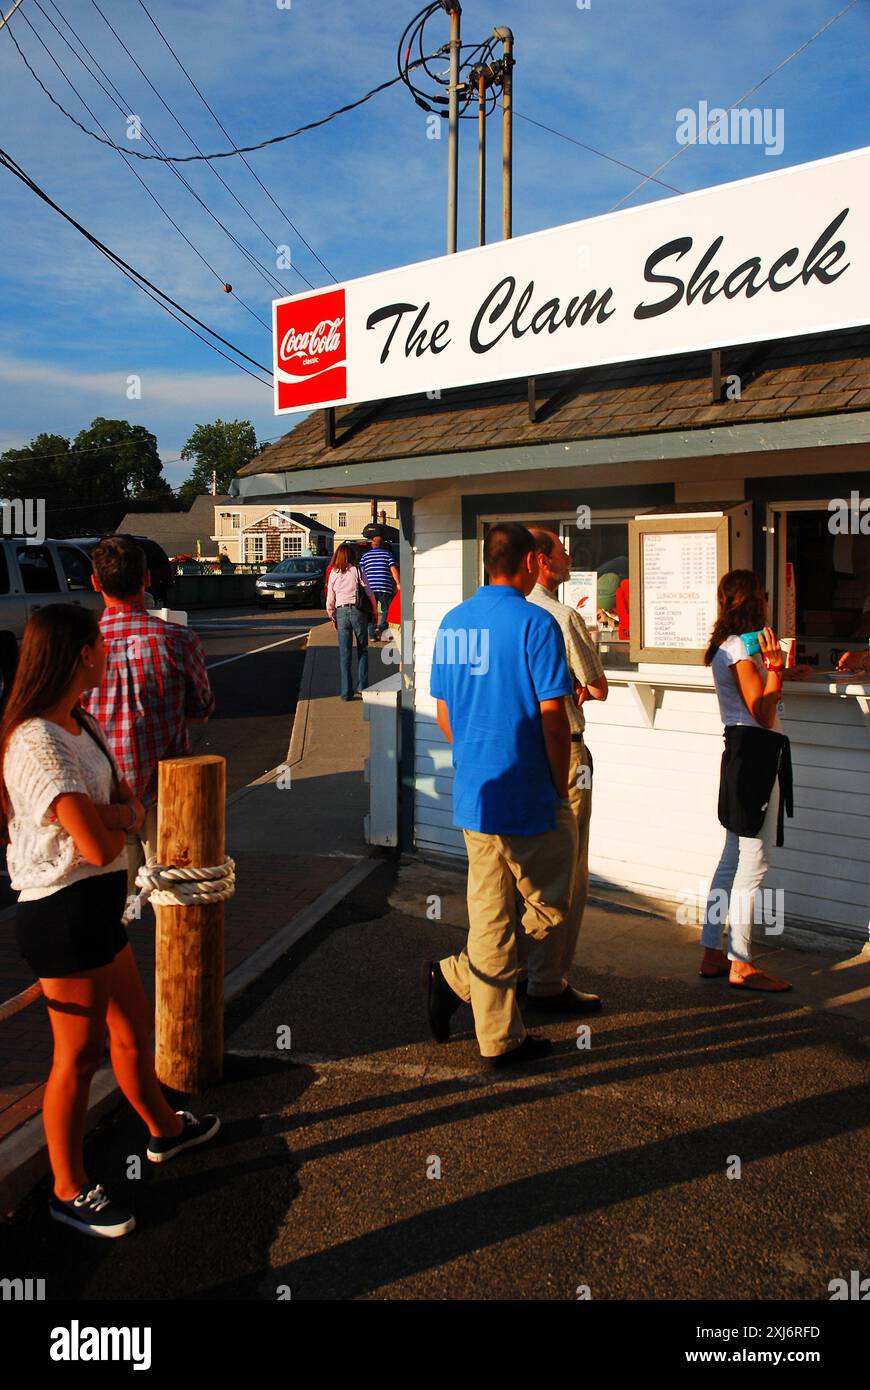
x=485, y=974
x=141, y=848
x=549, y=959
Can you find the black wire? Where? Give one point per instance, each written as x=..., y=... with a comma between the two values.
x=592, y=150
x=131, y=168
x=201, y=158
x=187, y=133
x=263, y=271
x=255, y=264
x=223, y=128
x=160, y=296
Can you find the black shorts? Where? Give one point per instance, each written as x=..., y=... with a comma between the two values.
x=77, y=928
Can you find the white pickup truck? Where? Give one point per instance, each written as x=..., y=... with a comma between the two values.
x=33, y=575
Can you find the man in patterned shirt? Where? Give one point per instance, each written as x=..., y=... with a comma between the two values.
x=549, y=959
x=155, y=684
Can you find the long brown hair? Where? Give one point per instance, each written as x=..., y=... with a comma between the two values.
x=50, y=652
x=742, y=608
x=342, y=559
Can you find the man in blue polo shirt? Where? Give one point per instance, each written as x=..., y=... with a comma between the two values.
x=500, y=678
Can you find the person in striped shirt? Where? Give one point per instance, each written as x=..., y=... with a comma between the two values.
x=381, y=573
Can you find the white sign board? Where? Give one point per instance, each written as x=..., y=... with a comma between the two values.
x=679, y=588
x=581, y=592
x=768, y=257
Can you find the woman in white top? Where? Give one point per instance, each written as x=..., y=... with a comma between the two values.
x=65, y=811
x=749, y=688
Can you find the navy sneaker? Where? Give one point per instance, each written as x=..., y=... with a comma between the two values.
x=194, y=1132
x=93, y=1213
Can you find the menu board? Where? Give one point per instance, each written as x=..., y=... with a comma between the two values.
x=680, y=575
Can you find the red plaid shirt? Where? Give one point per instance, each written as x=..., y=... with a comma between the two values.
x=155, y=681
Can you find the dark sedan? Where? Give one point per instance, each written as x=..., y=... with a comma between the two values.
x=298, y=581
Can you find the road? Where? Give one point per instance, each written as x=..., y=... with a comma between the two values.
x=255, y=673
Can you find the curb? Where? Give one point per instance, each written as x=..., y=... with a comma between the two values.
x=299, y=732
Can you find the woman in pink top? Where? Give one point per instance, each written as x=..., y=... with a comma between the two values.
x=348, y=620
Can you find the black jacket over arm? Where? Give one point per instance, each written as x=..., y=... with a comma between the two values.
x=751, y=763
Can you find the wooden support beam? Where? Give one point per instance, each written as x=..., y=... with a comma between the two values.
x=533, y=405
x=716, y=375
x=329, y=427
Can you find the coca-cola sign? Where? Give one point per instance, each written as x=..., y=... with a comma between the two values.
x=311, y=355
x=769, y=257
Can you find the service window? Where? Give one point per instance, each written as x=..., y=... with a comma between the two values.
x=36, y=566
x=819, y=578
x=597, y=584
x=77, y=569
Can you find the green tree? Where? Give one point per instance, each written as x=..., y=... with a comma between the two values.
x=38, y=469
x=222, y=448
x=118, y=460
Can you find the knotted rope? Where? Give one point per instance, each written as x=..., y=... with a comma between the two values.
x=168, y=886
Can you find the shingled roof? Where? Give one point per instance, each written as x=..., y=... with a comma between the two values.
x=823, y=374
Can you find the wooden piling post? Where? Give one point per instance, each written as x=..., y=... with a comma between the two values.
x=189, y=953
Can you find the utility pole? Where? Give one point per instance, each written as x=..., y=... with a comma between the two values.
x=481, y=156
x=507, y=86
x=454, y=9
x=4, y=19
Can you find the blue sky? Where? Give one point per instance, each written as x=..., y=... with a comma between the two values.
x=367, y=191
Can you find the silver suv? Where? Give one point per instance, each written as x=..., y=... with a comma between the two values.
x=33, y=575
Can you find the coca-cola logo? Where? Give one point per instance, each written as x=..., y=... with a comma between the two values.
x=326, y=337
x=311, y=350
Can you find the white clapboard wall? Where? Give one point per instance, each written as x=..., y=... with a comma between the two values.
x=437, y=588
x=654, y=826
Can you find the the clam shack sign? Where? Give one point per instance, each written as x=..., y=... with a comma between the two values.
x=769, y=257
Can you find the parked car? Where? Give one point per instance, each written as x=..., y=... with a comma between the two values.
x=55, y=571
x=160, y=567
x=299, y=581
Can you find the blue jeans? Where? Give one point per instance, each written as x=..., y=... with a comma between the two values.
x=351, y=624
x=379, y=617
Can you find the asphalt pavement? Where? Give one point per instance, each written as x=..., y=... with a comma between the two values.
x=707, y=1144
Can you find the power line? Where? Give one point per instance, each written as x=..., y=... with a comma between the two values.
x=591, y=149
x=271, y=281
x=124, y=107
x=187, y=133
x=159, y=296
x=221, y=154
x=778, y=68
x=129, y=166
x=223, y=128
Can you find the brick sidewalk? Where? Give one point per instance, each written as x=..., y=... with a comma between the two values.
x=271, y=890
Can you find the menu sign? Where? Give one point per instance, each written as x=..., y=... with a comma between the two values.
x=679, y=588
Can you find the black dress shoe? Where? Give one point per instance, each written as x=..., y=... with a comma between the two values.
x=570, y=1001
x=531, y=1049
x=442, y=1002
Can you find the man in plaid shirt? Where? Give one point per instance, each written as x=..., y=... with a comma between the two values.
x=155, y=684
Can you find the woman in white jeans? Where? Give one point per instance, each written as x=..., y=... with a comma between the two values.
x=749, y=689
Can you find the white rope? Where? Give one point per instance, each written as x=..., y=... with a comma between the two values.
x=20, y=1001
x=168, y=886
